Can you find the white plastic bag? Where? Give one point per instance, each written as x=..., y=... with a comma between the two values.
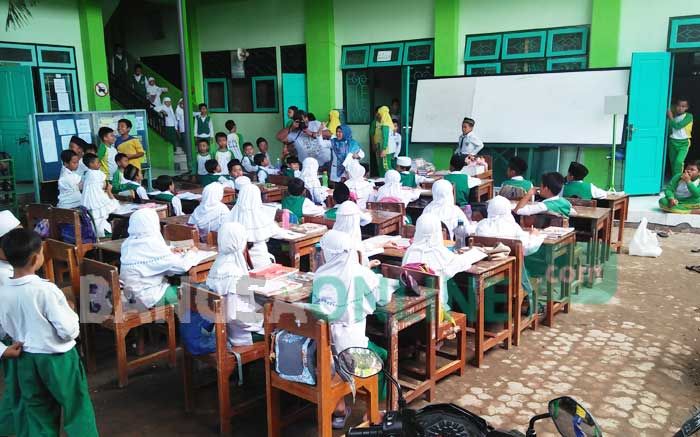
x=644, y=242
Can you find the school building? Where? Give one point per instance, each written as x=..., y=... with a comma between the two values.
x=250, y=59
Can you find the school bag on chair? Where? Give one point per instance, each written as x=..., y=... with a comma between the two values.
x=87, y=228
x=295, y=357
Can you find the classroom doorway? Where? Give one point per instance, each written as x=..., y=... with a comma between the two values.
x=686, y=82
x=17, y=102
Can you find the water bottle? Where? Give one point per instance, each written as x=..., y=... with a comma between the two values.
x=460, y=233
x=318, y=257
x=285, y=219
x=278, y=165
x=324, y=179
x=468, y=211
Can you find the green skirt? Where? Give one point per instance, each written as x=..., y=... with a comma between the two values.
x=10, y=404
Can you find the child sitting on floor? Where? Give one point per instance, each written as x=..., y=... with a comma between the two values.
x=576, y=187
x=552, y=184
x=133, y=179
x=213, y=172
x=166, y=192
x=69, y=183
x=211, y=211
x=683, y=191
x=36, y=314
x=515, y=187
x=297, y=202
x=202, y=157
x=97, y=195
x=462, y=182
x=408, y=178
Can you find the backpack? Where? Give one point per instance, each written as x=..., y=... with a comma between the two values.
x=295, y=357
x=87, y=228
x=42, y=228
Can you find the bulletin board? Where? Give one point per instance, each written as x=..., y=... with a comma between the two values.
x=51, y=132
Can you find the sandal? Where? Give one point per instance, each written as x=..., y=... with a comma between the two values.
x=662, y=234
x=340, y=421
x=695, y=250
x=695, y=269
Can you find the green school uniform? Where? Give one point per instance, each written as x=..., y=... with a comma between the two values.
x=295, y=204
x=208, y=179
x=461, y=184
x=203, y=125
x=331, y=213
x=558, y=206
x=289, y=172
x=580, y=189
x=687, y=194
x=514, y=189
x=165, y=197
x=679, y=141
x=518, y=183
x=54, y=389
x=408, y=179
x=10, y=404
x=118, y=184
x=139, y=85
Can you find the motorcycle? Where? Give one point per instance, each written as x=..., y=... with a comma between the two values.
x=448, y=420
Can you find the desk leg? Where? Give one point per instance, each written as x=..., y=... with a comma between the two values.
x=548, y=280
x=294, y=256
x=392, y=335
x=477, y=284
x=567, y=278
x=518, y=295
x=621, y=228
x=430, y=352
x=591, y=254
x=511, y=290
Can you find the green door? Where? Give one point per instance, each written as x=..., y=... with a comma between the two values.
x=646, y=125
x=16, y=103
x=293, y=92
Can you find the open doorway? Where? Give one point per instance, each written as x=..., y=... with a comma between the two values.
x=686, y=82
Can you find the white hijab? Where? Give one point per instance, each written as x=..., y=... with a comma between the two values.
x=211, y=212
x=309, y=173
x=248, y=211
x=428, y=247
x=241, y=181
x=145, y=251
x=501, y=223
x=391, y=187
x=93, y=195
x=347, y=220
x=443, y=206
x=357, y=183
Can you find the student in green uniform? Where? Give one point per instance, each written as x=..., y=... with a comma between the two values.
x=683, y=191
x=680, y=123
x=293, y=169
x=213, y=172
x=52, y=384
x=461, y=181
x=138, y=81
x=383, y=129
x=118, y=182
x=262, y=163
x=341, y=193
x=234, y=170
x=166, y=192
x=408, y=177
x=576, y=187
x=297, y=202
x=552, y=184
x=204, y=128
x=515, y=187
x=107, y=151
x=203, y=156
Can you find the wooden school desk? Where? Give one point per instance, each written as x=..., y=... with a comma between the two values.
x=271, y=193
x=161, y=210
x=198, y=273
x=555, y=247
x=229, y=195
x=383, y=222
x=593, y=224
x=304, y=245
x=482, y=192
x=619, y=205
x=399, y=314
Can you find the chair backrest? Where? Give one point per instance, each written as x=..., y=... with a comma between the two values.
x=516, y=249
x=542, y=221
x=55, y=250
x=37, y=212
x=92, y=274
x=409, y=231
x=387, y=206
x=278, y=179
x=211, y=307
x=298, y=320
x=175, y=232
x=575, y=201
x=63, y=216
x=319, y=219
x=423, y=279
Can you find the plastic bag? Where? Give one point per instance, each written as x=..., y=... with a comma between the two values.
x=644, y=242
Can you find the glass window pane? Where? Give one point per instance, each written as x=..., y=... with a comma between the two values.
x=484, y=47
x=480, y=71
x=688, y=33
x=567, y=66
x=523, y=67
x=357, y=96
x=418, y=52
x=216, y=95
x=355, y=57
x=14, y=54
x=265, y=94
x=55, y=56
x=566, y=42
x=241, y=96
x=523, y=45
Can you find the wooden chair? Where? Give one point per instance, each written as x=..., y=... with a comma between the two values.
x=69, y=217
x=122, y=320
x=516, y=250
x=444, y=328
x=409, y=231
x=278, y=179
x=328, y=389
x=319, y=219
x=542, y=221
x=212, y=307
x=174, y=232
x=398, y=207
x=37, y=212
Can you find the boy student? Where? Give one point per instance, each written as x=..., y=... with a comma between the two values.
x=297, y=202
x=235, y=170
x=248, y=158
x=408, y=178
x=468, y=143
x=203, y=156
x=293, y=169
x=515, y=187
x=132, y=179
x=683, y=191
x=204, y=128
x=128, y=145
x=223, y=153
x=138, y=81
x=118, y=182
x=576, y=187
x=213, y=172
x=462, y=182
x=35, y=313
x=234, y=139
x=69, y=182
x=107, y=151
x=263, y=147
x=341, y=193
x=262, y=163
x=552, y=184
x=394, y=142
x=78, y=145
x=166, y=192
x=681, y=126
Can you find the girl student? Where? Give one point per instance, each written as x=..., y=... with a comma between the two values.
x=211, y=212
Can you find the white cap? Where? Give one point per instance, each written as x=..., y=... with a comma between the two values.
x=7, y=222
x=403, y=161
x=151, y=79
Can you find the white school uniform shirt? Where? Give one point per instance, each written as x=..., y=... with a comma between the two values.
x=111, y=163
x=310, y=208
x=201, y=160
x=248, y=165
x=97, y=201
x=82, y=168
x=262, y=175
x=540, y=207
x=394, y=143
x=176, y=202
x=68, y=189
x=469, y=144
x=6, y=272
x=140, y=191
x=180, y=119
x=223, y=158
x=233, y=146
x=170, y=119
x=35, y=312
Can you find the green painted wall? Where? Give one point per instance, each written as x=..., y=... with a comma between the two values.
x=93, y=45
x=447, y=37
x=321, y=59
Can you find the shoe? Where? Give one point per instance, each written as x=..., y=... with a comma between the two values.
x=340, y=421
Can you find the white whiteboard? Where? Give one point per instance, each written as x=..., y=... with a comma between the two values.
x=544, y=108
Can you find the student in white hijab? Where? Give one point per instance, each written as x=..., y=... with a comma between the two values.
x=241, y=181
x=153, y=92
x=211, y=212
x=443, y=206
x=360, y=187
x=167, y=109
x=348, y=219
x=227, y=277
x=428, y=247
x=392, y=191
x=147, y=259
x=259, y=224
x=309, y=174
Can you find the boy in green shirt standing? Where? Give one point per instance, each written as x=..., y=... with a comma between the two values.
x=577, y=187
x=204, y=128
x=107, y=151
x=683, y=191
x=461, y=181
x=552, y=184
x=516, y=186
x=680, y=123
